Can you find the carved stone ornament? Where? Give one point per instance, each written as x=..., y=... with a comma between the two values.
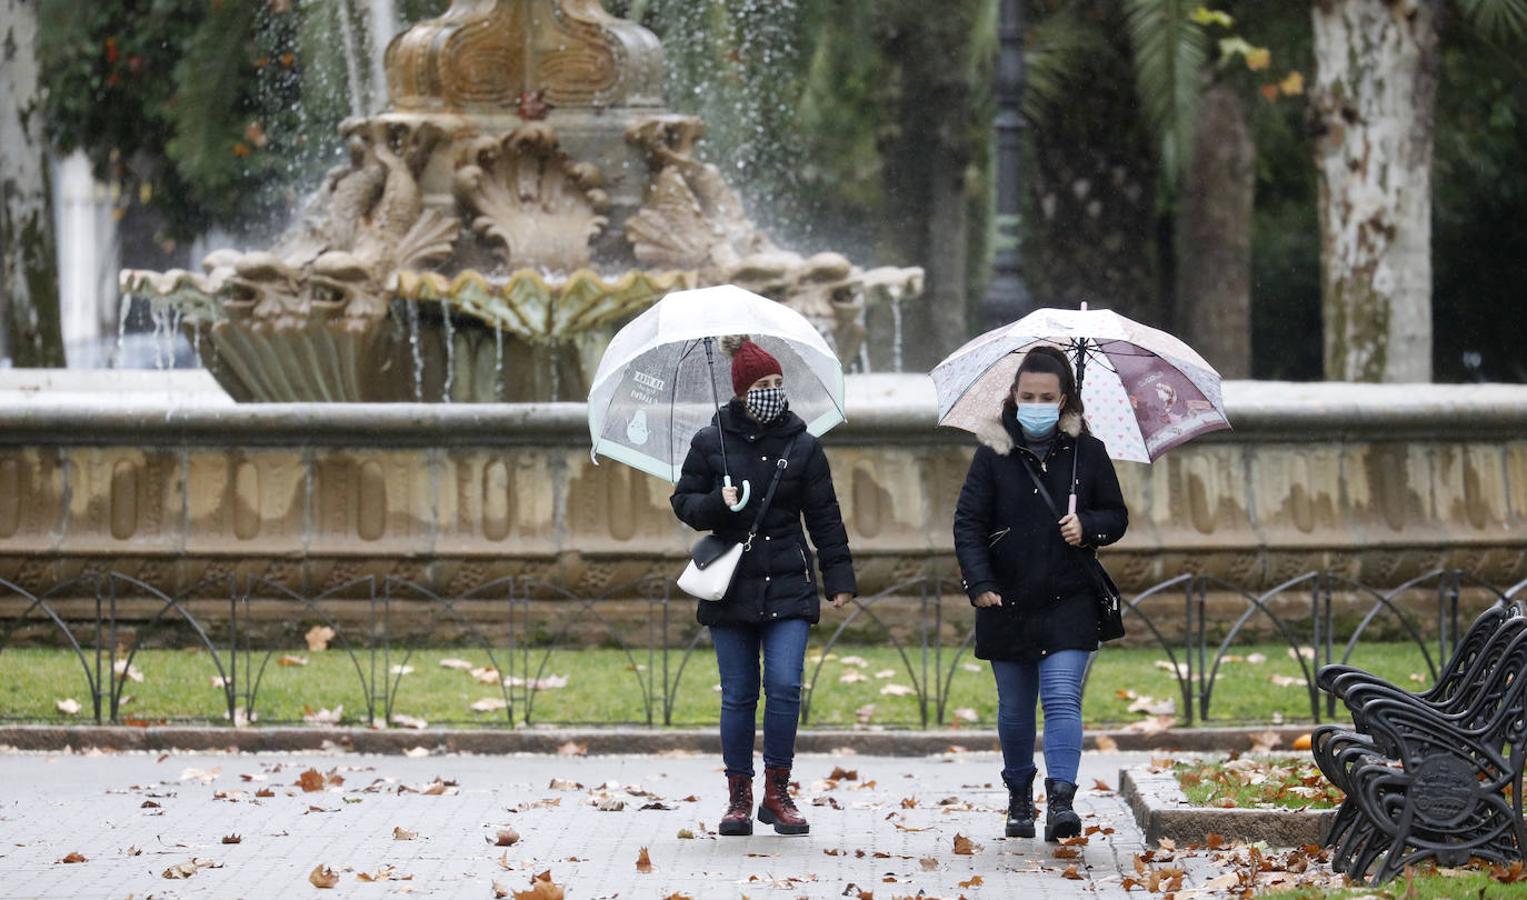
x=484, y=55
x=533, y=203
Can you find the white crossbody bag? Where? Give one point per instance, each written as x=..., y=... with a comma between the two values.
x=713, y=560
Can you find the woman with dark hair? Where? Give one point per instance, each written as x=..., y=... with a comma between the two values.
x=1036, y=603
x=776, y=596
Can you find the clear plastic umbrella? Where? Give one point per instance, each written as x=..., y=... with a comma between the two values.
x=664, y=375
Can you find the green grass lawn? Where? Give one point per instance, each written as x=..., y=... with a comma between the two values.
x=1257, y=782
x=1456, y=884
x=604, y=686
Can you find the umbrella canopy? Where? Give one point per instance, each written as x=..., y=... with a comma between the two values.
x=661, y=379
x=1145, y=391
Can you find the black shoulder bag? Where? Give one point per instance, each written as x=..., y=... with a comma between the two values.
x=1110, y=601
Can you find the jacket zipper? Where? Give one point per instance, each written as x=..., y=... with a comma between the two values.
x=995, y=537
x=805, y=566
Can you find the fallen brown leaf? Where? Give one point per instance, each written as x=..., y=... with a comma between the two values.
x=841, y=774
x=232, y=839
x=644, y=862
x=399, y=833
x=75, y=857
x=1105, y=743
x=964, y=846
x=507, y=837
x=187, y=869
x=542, y=888
x=573, y=749
x=1071, y=873
x=322, y=876
x=318, y=637
x=311, y=781
x=975, y=881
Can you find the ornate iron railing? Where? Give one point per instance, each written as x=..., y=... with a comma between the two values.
x=1175, y=615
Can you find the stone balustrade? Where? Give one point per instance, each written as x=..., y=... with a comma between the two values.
x=156, y=475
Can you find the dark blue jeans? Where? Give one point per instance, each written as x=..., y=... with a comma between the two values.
x=784, y=660
x=1056, y=681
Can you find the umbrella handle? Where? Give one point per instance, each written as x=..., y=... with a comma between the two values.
x=1071, y=504
x=747, y=491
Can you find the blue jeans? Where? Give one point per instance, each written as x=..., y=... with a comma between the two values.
x=1055, y=680
x=784, y=662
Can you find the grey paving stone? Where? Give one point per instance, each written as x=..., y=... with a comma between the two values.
x=55, y=804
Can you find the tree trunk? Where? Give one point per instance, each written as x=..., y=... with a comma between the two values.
x=1214, y=236
x=30, y=330
x=925, y=157
x=1375, y=98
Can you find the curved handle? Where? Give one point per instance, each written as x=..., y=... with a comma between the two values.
x=747, y=492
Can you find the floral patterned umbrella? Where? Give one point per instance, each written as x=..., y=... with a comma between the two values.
x=1145, y=391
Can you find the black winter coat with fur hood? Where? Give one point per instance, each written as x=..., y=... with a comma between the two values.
x=1008, y=540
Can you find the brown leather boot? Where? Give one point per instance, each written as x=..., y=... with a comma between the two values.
x=738, y=820
x=777, y=808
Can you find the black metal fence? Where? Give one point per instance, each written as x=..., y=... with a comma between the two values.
x=1325, y=614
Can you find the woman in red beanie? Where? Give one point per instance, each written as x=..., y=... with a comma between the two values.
x=776, y=597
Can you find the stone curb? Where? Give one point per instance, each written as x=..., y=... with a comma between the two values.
x=598, y=741
x=1162, y=811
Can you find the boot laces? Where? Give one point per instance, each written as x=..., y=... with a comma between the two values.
x=782, y=790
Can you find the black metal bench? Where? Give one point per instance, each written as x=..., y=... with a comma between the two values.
x=1433, y=775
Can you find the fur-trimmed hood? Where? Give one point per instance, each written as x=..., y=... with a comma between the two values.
x=998, y=434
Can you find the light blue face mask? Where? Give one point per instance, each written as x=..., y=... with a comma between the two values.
x=1038, y=419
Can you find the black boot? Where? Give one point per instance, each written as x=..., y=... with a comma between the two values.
x=1061, y=821
x=1020, y=806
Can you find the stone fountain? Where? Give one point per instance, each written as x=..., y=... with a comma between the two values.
x=525, y=193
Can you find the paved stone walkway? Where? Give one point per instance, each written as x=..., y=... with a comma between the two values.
x=867, y=832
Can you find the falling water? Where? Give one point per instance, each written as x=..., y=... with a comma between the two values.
x=498, y=362
x=381, y=25
x=418, y=353
x=127, y=310
x=353, y=54
x=450, y=350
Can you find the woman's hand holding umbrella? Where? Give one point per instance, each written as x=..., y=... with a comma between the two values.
x=1071, y=529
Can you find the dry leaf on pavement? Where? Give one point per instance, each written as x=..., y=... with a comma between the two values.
x=75, y=857
x=507, y=837
x=232, y=839
x=964, y=846
x=644, y=862
x=399, y=833
x=573, y=749
x=323, y=877
x=187, y=869
x=542, y=888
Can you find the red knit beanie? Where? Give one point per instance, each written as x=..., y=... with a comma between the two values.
x=751, y=362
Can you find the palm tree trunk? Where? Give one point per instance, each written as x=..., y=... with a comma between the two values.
x=1214, y=236
x=30, y=329
x=1375, y=98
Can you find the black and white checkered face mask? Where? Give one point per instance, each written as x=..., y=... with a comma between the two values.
x=767, y=404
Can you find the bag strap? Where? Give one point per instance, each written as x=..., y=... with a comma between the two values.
x=1044, y=492
x=779, y=470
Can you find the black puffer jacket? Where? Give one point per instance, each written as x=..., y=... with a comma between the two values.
x=1008, y=540
x=775, y=580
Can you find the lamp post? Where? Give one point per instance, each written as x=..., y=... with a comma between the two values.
x=1007, y=297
